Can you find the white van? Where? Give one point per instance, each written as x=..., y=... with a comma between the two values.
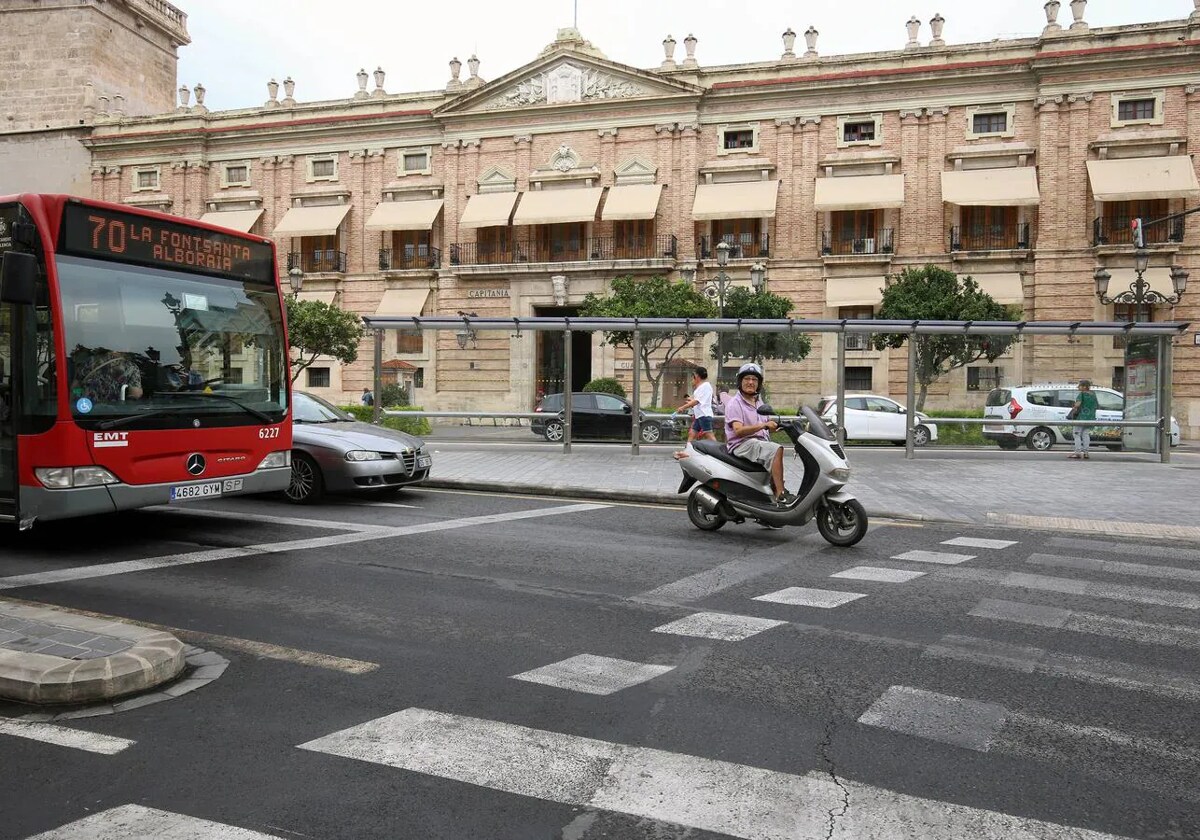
x=1051, y=402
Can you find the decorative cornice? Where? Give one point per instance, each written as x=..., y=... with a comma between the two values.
x=285, y=160
x=522, y=138
x=1073, y=98
x=607, y=132
x=450, y=144
x=938, y=111
x=811, y=119
x=913, y=113
x=664, y=127
x=264, y=162
x=375, y=152
x=357, y=154
x=692, y=127
x=473, y=143
x=112, y=170
x=1190, y=89
x=780, y=122
x=1043, y=101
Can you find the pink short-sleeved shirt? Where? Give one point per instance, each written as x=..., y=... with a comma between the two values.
x=743, y=412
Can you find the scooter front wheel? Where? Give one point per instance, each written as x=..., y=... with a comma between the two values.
x=701, y=518
x=842, y=523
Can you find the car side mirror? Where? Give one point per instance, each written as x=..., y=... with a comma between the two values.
x=629, y=409
x=765, y=410
x=18, y=278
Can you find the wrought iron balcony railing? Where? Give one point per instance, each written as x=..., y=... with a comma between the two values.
x=317, y=261
x=565, y=250
x=1110, y=232
x=396, y=259
x=847, y=243
x=742, y=246
x=990, y=237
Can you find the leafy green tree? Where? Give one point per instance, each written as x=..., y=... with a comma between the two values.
x=605, y=385
x=317, y=329
x=652, y=297
x=934, y=294
x=748, y=305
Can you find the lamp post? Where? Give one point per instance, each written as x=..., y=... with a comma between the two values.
x=758, y=277
x=466, y=335
x=295, y=280
x=1139, y=292
x=717, y=288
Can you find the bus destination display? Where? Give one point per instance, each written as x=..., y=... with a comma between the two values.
x=114, y=235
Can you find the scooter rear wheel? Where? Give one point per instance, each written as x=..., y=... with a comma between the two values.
x=701, y=518
x=842, y=524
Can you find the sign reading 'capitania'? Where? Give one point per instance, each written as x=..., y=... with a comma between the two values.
x=487, y=293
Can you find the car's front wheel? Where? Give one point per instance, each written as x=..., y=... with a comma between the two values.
x=921, y=435
x=307, y=485
x=651, y=432
x=554, y=431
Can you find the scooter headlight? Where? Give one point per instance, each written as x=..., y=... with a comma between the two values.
x=841, y=474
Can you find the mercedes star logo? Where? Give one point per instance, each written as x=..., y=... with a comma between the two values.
x=195, y=464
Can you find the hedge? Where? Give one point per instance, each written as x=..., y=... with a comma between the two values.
x=412, y=425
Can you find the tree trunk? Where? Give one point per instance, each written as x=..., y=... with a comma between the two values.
x=921, y=395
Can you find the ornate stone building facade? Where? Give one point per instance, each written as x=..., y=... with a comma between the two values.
x=1018, y=162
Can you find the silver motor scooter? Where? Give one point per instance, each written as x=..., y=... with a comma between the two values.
x=726, y=488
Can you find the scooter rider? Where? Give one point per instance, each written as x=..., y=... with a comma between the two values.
x=746, y=435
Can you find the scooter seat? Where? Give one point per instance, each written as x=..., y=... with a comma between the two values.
x=717, y=450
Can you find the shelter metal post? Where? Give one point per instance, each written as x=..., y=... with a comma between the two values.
x=1164, y=399
x=910, y=406
x=567, y=380
x=377, y=383
x=841, y=387
x=636, y=423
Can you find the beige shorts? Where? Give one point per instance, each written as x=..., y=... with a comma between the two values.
x=758, y=450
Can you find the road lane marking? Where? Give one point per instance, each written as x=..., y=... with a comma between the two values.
x=1169, y=552
x=1152, y=530
x=1160, y=766
x=62, y=736
x=1071, y=586
x=1116, y=567
x=874, y=573
x=1032, y=660
x=706, y=794
x=1037, y=615
x=137, y=822
x=941, y=558
x=711, y=581
x=266, y=519
x=210, y=555
x=979, y=542
x=802, y=596
x=594, y=674
x=723, y=627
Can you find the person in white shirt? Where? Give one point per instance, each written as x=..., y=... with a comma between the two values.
x=702, y=401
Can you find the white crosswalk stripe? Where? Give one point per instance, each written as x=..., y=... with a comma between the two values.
x=63, y=736
x=136, y=822
x=979, y=542
x=720, y=626
x=801, y=596
x=1116, y=567
x=1075, y=586
x=874, y=573
x=1038, y=615
x=939, y=557
x=705, y=794
x=594, y=674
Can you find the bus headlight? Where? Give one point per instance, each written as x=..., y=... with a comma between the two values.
x=363, y=455
x=841, y=474
x=60, y=478
x=276, y=459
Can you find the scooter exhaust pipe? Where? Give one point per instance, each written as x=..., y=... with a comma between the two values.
x=709, y=500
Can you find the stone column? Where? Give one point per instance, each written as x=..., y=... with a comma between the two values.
x=934, y=221
x=455, y=195
x=783, y=240
x=906, y=238
x=804, y=171
x=690, y=139
x=356, y=233
x=268, y=189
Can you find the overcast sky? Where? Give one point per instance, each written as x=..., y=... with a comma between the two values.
x=238, y=45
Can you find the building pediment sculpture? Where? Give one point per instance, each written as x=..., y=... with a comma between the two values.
x=566, y=83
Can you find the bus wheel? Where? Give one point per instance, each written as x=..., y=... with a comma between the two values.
x=307, y=485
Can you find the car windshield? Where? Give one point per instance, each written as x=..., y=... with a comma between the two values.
x=160, y=349
x=309, y=409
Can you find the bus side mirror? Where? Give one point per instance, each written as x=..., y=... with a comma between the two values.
x=18, y=278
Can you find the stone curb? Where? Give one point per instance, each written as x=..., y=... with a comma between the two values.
x=154, y=658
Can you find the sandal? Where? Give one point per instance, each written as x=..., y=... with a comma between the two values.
x=1074, y=456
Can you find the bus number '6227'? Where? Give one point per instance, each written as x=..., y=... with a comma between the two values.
x=269, y=433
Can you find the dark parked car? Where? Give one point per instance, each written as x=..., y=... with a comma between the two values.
x=598, y=416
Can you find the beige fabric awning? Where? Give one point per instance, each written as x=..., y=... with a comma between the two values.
x=241, y=220
x=488, y=210
x=740, y=200
x=635, y=201
x=399, y=302
x=550, y=207
x=312, y=221
x=853, y=291
x=323, y=295
x=1004, y=288
x=405, y=215
x=1158, y=278
x=1014, y=186
x=1137, y=178
x=860, y=192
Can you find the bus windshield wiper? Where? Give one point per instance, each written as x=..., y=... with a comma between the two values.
x=130, y=418
x=204, y=395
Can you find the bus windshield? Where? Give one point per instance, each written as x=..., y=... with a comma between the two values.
x=156, y=349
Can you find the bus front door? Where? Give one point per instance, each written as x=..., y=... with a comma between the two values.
x=8, y=437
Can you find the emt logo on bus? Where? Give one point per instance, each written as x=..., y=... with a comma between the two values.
x=114, y=235
x=108, y=440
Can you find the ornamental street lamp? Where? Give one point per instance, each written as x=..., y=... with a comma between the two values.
x=465, y=335
x=295, y=280
x=716, y=288
x=1139, y=292
x=758, y=277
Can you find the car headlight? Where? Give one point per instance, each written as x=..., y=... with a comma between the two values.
x=282, y=458
x=840, y=474
x=363, y=455
x=59, y=478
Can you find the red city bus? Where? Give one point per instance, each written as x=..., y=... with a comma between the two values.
x=143, y=360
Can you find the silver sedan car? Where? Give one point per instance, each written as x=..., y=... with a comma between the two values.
x=334, y=453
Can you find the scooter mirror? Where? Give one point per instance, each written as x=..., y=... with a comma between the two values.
x=765, y=410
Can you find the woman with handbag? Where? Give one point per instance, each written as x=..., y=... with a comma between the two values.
x=1084, y=409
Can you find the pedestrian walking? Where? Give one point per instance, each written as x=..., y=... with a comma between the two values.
x=1084, y=409
x=701, y=403
x=368, y=398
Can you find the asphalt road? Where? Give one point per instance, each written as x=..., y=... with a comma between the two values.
x=455, y=665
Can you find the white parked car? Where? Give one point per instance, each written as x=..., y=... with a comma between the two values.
x=874, y=417
x=1051, y=402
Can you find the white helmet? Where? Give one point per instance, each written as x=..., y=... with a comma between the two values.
x=748, y=369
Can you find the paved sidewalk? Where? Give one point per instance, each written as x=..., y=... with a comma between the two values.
x=1111, y=493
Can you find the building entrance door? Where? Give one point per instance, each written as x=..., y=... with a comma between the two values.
x=551, y=355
